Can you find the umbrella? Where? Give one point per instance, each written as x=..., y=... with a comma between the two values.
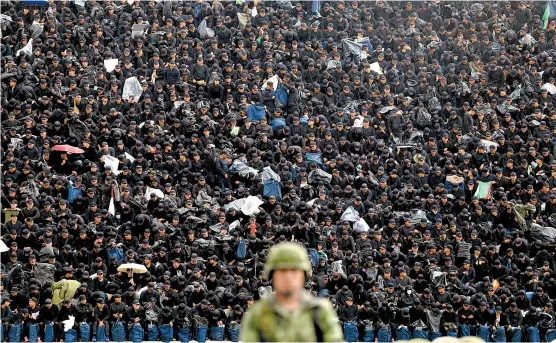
x=135, y=268
x=67, y=148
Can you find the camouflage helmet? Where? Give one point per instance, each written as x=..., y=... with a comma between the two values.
x=287, y=256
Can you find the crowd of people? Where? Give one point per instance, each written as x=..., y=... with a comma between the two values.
x=409, y=146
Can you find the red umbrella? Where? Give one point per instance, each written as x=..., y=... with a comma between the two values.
x=67, y=148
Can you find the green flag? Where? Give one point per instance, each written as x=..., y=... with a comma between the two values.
x=484, y=190
x=549, y=12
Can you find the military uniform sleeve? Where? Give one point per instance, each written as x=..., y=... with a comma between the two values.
x=330, y=326
x=249, y=331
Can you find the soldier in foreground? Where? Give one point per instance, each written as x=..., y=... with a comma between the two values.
x=290, y=314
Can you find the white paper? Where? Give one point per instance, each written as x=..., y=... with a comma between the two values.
x=35, y=315
x=111, y=64
x=251, y=205
x=68, y=324
x=376, y=68
x=150, y=191
x=274, y=80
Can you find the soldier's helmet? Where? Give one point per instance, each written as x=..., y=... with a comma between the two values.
x=287, y=256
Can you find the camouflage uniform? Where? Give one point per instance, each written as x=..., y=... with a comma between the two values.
x=267, y=321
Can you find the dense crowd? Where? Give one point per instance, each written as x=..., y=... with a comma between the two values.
x=409, y=146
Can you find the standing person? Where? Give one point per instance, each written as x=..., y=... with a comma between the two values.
x=290, y=314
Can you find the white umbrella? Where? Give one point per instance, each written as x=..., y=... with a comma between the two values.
x=135, y=268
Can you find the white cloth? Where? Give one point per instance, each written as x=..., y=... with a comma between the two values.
x=350, y=214
x=110, y=64
x=27, y=49
x=376, y=68
x=68, y=324
x=274, y=81
x=132, y=89
x=3, y=246
x=549, y=87
x=251, y=205
x=156, y=191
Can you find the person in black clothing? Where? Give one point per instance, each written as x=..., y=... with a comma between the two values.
x=194, y=155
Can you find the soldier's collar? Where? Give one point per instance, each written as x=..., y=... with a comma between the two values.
x=307, y=302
